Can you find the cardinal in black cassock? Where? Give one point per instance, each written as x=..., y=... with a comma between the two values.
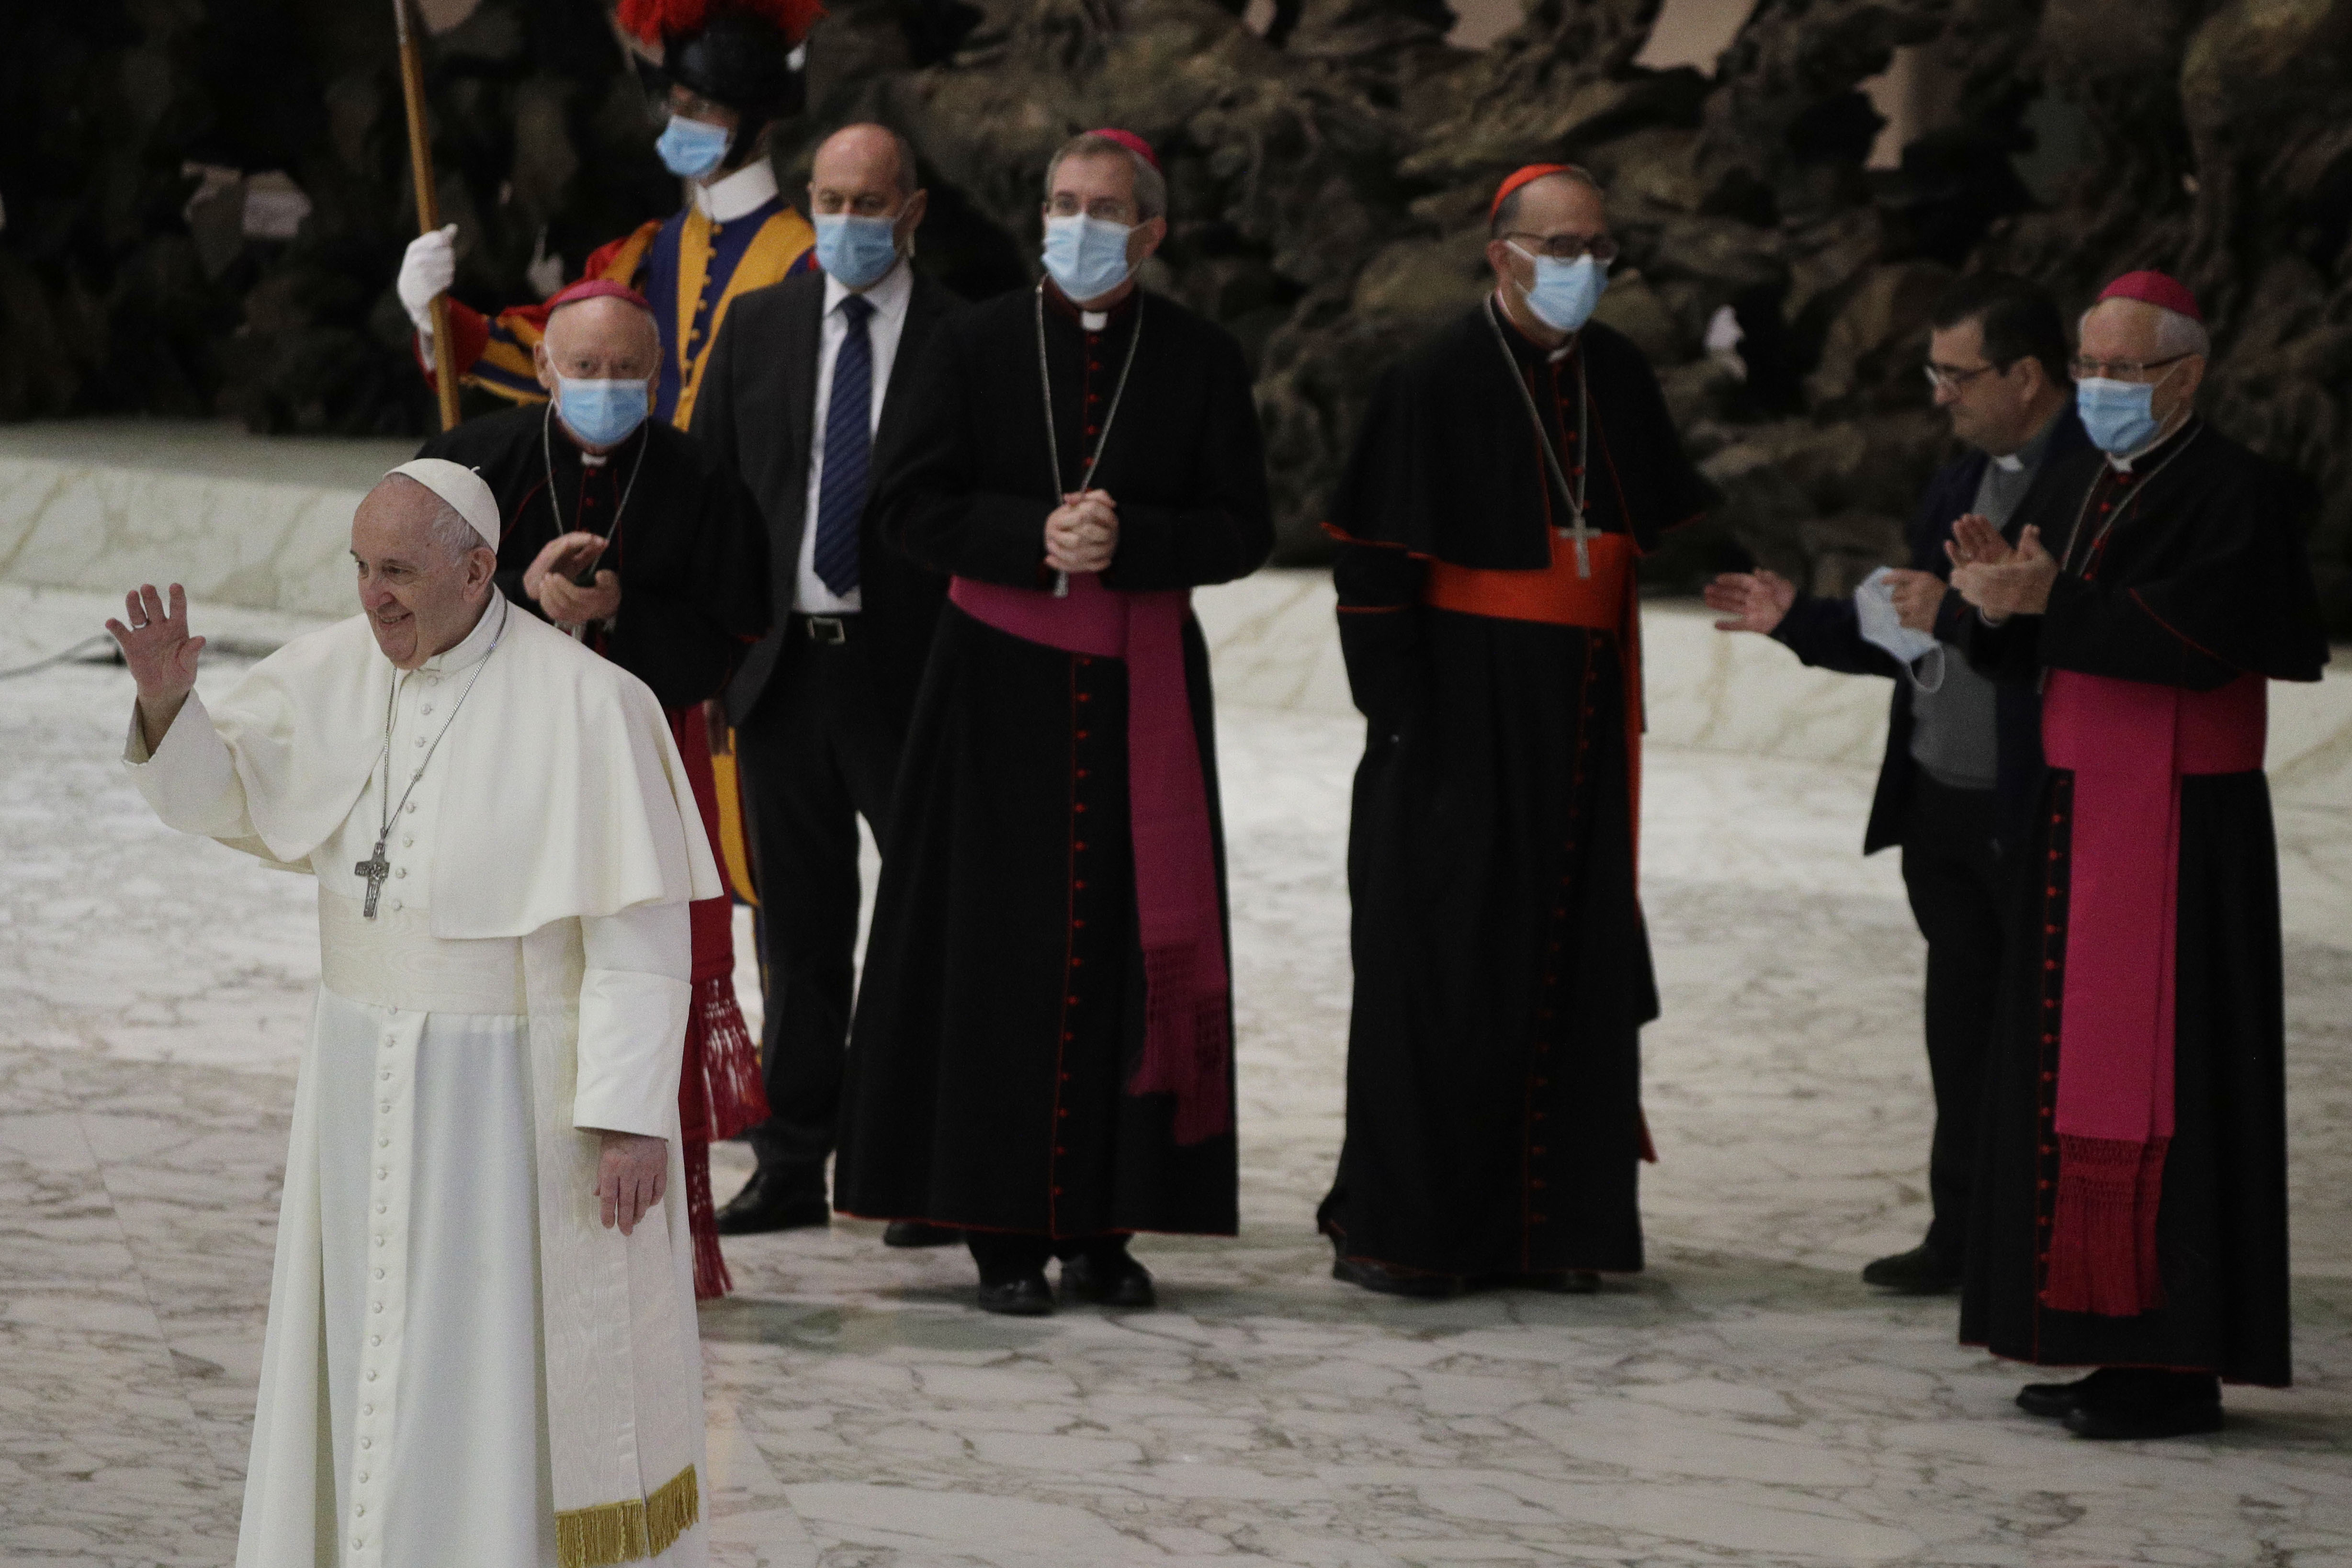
x=677, y=592
x=1508, y=477
x=2131, y=1198
x=1043, y=1049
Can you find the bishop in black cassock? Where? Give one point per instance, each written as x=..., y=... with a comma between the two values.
x=1508, y=477
x=683, y=566
x=2131, y=1196
x=1042, y=1053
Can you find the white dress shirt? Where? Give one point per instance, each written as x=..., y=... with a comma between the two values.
x=888, y=298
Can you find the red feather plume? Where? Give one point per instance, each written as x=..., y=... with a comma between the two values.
x=650, y=19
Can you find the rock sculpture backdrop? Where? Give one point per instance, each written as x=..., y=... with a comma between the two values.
x=205, y=202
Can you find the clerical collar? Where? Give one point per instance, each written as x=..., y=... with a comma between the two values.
x=1091, y=320
x=744, y=191
x=476, y=646
x=2156, y=453
x=2030, y=455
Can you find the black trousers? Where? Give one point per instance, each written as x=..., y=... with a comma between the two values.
x=1951, y=871
x=818, y=752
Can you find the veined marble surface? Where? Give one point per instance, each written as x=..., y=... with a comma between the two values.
x=1744, y=1401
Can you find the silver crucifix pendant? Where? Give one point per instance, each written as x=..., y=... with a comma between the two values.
x=375, y=868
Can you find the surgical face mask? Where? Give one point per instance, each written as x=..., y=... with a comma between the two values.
x=1087, y=256
x=1565, y=292
x=691, y=147
x=855, y=251
x=602, y=414
x=2118, y=416
x=1880, y=624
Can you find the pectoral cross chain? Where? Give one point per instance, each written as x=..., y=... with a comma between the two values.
x=375, y=868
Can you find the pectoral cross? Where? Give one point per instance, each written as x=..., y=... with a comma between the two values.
x=375, y=868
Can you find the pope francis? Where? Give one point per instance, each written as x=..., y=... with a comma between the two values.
x=481, y=1345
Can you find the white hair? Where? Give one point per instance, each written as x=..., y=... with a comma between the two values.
x=2177, y=336
x=1150, y=185
x=451, y=534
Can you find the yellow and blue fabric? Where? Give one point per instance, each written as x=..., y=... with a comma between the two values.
x=690, y=267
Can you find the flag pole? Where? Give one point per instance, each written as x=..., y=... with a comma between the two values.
x=429, y=206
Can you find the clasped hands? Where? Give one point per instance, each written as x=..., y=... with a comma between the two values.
x=1082, y=533
x=1999, y=580
x=547, y=580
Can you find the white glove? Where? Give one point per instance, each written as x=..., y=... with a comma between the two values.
x=426, y=273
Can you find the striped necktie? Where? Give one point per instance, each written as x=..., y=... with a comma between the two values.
x=849, y=443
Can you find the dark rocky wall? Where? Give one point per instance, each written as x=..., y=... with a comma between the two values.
x=1328, y=193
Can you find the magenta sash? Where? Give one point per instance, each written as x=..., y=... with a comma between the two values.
x=1187, y=1041
x=2130, y=743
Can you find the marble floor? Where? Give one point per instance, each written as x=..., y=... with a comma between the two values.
x=1744, y=1401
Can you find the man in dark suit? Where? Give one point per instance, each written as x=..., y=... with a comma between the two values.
x=801, y=399
x=1962, y=754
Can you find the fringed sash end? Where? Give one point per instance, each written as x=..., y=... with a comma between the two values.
x=2103, y=1257
x=614, y=1533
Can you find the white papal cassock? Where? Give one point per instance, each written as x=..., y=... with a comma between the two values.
x=462, y=1366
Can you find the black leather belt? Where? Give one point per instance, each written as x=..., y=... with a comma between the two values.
x=831, y=629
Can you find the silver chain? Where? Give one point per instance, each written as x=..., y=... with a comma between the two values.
x=390, y=809
x=1054, y=442
x=547, y=453
x=1579, y=529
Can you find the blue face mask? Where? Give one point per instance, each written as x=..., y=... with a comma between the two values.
x=1086, y=257
x=2118, y=416
x=1565, y=292
x=854, y=251
x=602, y=414
x=692, y=149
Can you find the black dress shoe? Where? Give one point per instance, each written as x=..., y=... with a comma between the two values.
x=2054, y=1400
x=1018, y=1296
x=771, y=1202
x=1388, y=1281
x=1922, y=1271
x=919, y=1233
x=2184, y=1419
x=1110, y=1280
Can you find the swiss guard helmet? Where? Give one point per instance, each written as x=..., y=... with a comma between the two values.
x=747, y=55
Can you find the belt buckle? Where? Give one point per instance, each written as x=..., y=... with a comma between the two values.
x=831, y=629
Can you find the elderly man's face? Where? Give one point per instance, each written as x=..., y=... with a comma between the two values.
x=2121, y=340
x=420, y=598
x=1555, y=214
x=599, y=340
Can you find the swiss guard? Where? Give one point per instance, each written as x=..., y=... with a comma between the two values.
x=729, y=69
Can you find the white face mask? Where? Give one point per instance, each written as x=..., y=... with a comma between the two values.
x=1565, y=293
x=1086, y=255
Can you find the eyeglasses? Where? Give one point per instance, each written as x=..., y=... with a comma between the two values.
x=1568, y=247
x=1952, y=378
x=2118, y=370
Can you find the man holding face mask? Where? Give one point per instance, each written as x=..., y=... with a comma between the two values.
x=1962, y=753
x=1508, y=477
x=802, y=398
x=1043, y=1053
x=625, y=533
x=729, y=69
